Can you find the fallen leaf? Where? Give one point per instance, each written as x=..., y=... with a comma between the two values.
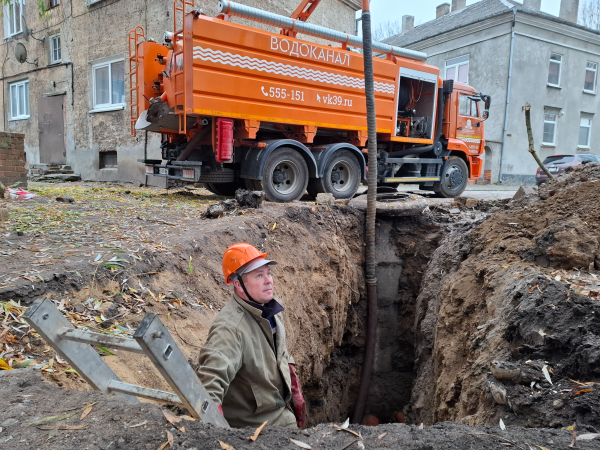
x=170, y=438
x=184, y=417
x=171, y=418
x=571, y=428
x=63, y=427
x=581, y=391
x=361, y=445
x=588, y=436
x=547, y=374
x=300, y=444
x=85, y=412
x=381, y=436
x=502, y=426
x=163, y=446
x=4, y=365
x=346, y=423
x=421, y=426
x=259, y=430
x=225, y=446
x=542, y=448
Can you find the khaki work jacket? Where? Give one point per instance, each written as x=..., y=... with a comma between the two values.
x=242, y=371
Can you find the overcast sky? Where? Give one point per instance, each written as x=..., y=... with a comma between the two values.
x=424, y=10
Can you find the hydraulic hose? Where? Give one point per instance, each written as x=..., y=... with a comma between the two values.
x=371, y=278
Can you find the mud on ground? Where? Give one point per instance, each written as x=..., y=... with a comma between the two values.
x=36, y=415
x=506, y=299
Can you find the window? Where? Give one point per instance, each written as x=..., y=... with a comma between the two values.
x=54, y=3
x=109, y=84
x=466, y=106
x=585, y=130
x=108, y=160
x=19, y=100
x=549, y=129
x=589, y=85
x=13, y=22
x=554, y=69
x=457, y=69
x=55, y=51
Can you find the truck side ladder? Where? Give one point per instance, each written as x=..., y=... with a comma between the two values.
x=134, y=36
x=178, y=73
x=150, y=338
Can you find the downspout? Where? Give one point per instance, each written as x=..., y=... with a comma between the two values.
x=510, y=66
x=371, y=279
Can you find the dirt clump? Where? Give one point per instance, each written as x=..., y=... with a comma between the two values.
x=508, y=318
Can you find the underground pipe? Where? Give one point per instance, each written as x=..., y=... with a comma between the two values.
x=371, y=279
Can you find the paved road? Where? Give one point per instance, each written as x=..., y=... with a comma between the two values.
x=478, y=191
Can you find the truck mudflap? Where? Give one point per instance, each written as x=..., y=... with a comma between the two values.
x=190, y=171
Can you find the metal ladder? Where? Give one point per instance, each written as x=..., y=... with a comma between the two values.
x=150, y=338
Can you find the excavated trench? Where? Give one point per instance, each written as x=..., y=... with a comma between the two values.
x=468, y=316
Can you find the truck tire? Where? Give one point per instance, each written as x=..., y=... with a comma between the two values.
x=341, y=176
x=223, y=189
x=454, y=178
x=285, y=175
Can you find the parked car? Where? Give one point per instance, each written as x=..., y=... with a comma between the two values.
x=559, y=164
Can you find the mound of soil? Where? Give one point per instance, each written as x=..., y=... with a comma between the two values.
x=508, y=318
x=38, y=415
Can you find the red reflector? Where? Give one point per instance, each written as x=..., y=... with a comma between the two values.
x=224, y=141
x=149, y=169
x=188, y=173
x=537, y=171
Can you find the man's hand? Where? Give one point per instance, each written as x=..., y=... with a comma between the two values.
x=297, y=399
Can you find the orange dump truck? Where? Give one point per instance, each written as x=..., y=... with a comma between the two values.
x=241, y=107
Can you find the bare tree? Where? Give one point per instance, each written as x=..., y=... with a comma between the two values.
x=589, y=14
x=388, y=29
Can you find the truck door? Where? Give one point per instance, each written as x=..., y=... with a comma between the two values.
x=468, y=126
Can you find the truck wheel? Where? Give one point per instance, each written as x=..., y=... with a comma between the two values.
x=455, y=175
x=340, y=178
x=285, y=176
x=223, y=189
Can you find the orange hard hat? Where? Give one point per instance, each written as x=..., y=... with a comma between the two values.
x=239, y=255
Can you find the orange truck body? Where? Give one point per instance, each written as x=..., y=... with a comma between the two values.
x=312, y=94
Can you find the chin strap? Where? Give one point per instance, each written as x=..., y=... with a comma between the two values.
x=239, y=278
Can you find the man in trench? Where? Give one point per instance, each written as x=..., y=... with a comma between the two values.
x=244, y=364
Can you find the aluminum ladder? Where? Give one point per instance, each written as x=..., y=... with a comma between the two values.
x=150, y=338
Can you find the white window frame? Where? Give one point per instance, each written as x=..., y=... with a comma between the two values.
x=54, y=38
x=18, y=115
x=595, y=71
x=8, y=20
x=456, y=65
x=554, y=61
x=555, y=122
x=589, y=131
x=105, y=106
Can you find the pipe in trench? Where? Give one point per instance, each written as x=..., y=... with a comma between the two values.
x=371, y=279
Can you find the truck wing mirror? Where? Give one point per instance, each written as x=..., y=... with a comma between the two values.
x=475, y=99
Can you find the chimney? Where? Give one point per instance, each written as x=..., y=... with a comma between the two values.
x=533, y=4
x=458, y=5
x=442, y=10
x=408, y=23
x=569, y=10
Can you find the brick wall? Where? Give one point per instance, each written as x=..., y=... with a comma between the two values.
x=12, y=159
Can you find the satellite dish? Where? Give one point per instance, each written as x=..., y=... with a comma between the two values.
x=20, y=53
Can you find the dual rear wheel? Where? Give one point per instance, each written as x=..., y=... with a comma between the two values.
x=286, y=177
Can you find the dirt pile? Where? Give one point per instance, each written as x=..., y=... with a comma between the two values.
x=106, y=280
x=38, y=415
x=508, y=318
